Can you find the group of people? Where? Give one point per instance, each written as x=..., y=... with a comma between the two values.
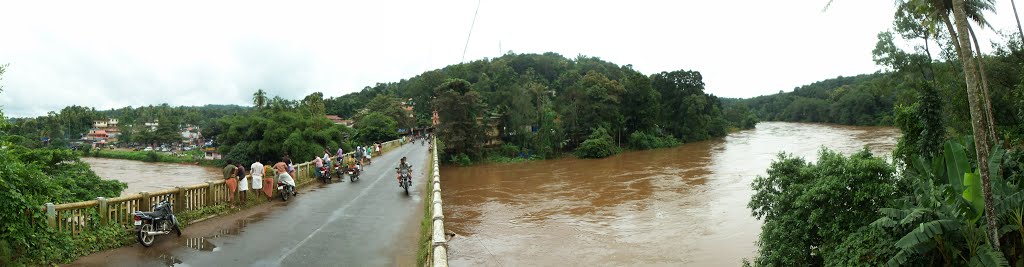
x=361, y=156
x=239, y=180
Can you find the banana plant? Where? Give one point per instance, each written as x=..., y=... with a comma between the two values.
x=943, y=212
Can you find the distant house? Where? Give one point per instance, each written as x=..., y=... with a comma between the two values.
x=211, y=154
x=153, y=125
x=408, y=107
x=339, y=121
x=109, y=126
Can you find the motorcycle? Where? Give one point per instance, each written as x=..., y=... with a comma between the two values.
x=160, y=221
x=325, y=174
x=353, y=173
x=286, y=190
x=406, y=178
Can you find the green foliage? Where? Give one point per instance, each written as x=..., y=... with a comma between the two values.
x=921, y=125
x=598, y=145
x=152, y=156
x=459, y=107
x=642, y=140
x=31, y=177
x=376, y=127
x=547, y=104
x=145, y=156
x=810, y=209
x=270, y=134
x=686, y=111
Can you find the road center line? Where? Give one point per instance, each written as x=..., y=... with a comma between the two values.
x=334, y=216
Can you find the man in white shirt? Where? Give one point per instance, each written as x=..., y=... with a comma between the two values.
x=256, y=170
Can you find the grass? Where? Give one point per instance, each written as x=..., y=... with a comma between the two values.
x=423, y=252
x=143, y=156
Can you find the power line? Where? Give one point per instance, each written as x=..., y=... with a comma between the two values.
x=470, y=30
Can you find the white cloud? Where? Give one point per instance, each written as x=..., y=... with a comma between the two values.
x=114, y=54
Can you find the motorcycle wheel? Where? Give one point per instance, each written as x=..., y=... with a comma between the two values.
x=176, y=229
x=145, y=239
x=284, y=195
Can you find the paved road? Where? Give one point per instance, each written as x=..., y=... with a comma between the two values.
x=371, y=222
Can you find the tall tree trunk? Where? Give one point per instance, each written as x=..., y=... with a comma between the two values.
x=927, y=50
x=1014, y=5
x=984, y=86
x=980, y=137
x=953, y=38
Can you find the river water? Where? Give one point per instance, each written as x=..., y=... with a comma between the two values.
x=149, y=176
x=669, y=207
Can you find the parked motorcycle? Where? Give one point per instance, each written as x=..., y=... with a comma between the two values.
x=160, y=221
x=286, y=190
x=406, y=178
x=325, y=174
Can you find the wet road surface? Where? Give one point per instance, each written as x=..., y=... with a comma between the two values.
x=151, y=176
x=682, y=206
x=371, y=222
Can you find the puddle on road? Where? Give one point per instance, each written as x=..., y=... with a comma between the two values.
x=204, y=244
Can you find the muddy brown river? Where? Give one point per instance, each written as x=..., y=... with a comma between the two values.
x=683, y=206
x=148, y=176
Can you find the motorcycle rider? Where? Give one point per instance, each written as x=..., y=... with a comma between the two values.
x=403, y=166
x=283, y=176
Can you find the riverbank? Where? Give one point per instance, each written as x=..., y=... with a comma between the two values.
x=191, y=157
x=528, y=214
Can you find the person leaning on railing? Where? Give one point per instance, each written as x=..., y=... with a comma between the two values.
x=230, y=172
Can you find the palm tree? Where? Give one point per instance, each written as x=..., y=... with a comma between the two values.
x=259, y=99
x=974, y=100
x=1014, y=5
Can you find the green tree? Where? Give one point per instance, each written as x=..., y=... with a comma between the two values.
x=810, y=209
x=598, y=145
x=640, y=103
x=459, y=107
x=376, y=127
x=259, y=99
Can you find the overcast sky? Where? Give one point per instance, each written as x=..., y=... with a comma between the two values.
x=135, y=53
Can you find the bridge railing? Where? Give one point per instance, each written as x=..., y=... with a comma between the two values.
x=81, y=216
x=439, y=242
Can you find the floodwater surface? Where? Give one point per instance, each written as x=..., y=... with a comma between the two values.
x=668, y=207
x=149, y=176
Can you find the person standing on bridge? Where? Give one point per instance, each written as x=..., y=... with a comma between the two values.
x=230, y=172
x=291, y=167
x=319, y=163
x=243, y=183
x=258, y=183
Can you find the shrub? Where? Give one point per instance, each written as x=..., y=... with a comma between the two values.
x=509, y=150
x=598, y=145
x=152, y=156
x=642, y=140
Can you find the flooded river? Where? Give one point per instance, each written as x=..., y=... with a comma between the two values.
x=666, y=207
x=148, y=176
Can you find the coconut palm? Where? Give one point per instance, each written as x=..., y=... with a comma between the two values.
x=260, y=99
x=960, y=15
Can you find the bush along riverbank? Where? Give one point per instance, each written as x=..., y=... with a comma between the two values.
x=191, y=157
x=598, y=145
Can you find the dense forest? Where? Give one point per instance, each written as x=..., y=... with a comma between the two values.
x=542, y=105
x=950, y=195
x=880, y=98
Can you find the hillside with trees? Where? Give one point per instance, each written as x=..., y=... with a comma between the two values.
x=541, y=105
